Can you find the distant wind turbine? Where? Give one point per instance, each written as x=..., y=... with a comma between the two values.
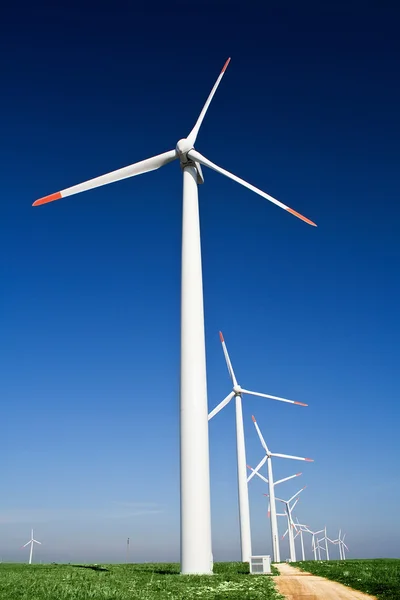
x=289, y=509
x=31, y=542
x=341, y=544
x=301, y=529
x=274, y=484
x=313, y=544
x=326, y=539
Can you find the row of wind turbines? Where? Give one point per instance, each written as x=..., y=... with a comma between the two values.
x=195, y=516
x=294, y=529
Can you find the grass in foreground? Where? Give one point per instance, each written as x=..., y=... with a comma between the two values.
x=231, y=581
x=378, y=577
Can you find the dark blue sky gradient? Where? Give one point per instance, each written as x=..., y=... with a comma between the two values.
x=308, y=110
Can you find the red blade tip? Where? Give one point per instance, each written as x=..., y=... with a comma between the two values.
x=47, y=199
x=226, y=65
x=221, y=337
x=301, y=404
x=254, y=419
x=297, y=474
x=249, y=467
x=309, y=459
x=299, y=216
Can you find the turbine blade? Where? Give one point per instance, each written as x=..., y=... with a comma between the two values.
x=196, y=156
x=285, y=534
x=260, y=435
x=24, y=546
x=292, y=457
x=280, y=500
x=273, y=397
x=193, y=134
x=227, y=359
x=221, y=405
x=287, y=478
x=144, y=166
x=255, y=471
x=296, y=494
x=294, y=504
x=36, y=542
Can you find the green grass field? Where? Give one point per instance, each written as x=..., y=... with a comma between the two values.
x=378, y=577
x=134, y=582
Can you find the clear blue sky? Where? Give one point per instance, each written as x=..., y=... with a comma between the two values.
x=308, y=111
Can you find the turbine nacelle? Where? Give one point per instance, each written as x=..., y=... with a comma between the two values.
x=183, y=147
x=237, y=389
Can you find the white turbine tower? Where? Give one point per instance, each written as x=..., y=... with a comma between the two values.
x=31, y=542
x=196, y=553
x=237, y=392
x=267, y=458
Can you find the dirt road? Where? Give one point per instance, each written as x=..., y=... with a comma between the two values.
x=294, y=584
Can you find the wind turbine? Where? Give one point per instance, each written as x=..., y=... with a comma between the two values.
x=196, y=552
x=274, y=484
x=31, y=542
x=326, y=539
x=289, y=509
x=302, y=529
x=319, y=548
x=313, y=545
x=267, y=459
x=237, y=392
x=341, y=544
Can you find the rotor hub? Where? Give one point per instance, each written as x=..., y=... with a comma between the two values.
x=183, y=147
x=237, y=389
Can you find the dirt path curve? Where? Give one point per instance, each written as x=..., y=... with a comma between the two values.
x=299, y=585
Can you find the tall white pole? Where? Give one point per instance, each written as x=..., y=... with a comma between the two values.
x=244, y=510
x=302, y=545
x=343, y=552
x=196, y=552
x=326, y=546
x=291, y=538
x=31, y=552
x=340, y=545
x=314, y=547
x=274, y=521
